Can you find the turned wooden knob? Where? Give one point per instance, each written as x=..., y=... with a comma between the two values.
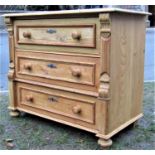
x=28, y=66
x=76, y=72
x=29, y=98
x=76, y=35
x=76, y=109
x=27, y=34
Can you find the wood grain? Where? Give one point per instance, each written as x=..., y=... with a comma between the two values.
x=80, y=12
x=126, y=68
x=62, y=73
x=11, y=73
x=63, y=110
x=85, y=26
x=88, y=75
x=57, y=35
x=104, y=87
x=56, y=102
x=57, y=69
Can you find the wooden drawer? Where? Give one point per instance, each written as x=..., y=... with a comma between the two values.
x=62, y=68
x=57, y=35
x=57, y=102
x=59, y=70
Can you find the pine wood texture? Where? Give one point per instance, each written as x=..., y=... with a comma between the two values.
x=126, y=69
x=56, y=102
x=57, y=35
x=79, y=12
x=63, y=70
x=86, y=72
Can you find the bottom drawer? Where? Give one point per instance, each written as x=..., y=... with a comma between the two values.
x=64, y=104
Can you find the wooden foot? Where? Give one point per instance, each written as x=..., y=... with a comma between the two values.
x=105, y=143
x=14, y=113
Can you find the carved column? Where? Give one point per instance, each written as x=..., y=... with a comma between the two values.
x=104, y=87
x=12, y=105
x=105, y=56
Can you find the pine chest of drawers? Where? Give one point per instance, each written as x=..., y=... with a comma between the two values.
x=81, y=68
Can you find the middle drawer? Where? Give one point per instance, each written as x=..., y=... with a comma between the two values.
x=63, y=70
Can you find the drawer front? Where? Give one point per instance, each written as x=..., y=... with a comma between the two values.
x=56, y=102
x=50, y=67
x=57, y=35
x=53, y=69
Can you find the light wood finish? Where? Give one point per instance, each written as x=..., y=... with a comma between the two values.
x=65, y=121
x=14, y=113
x=88, y=75
x=62, y=70
x=105, y=143
x=57, y=35
x=126, y=69
x=74, y=72
x=56, y=102
x=78, y=91
x=62, y=109
x=118, y=129
x=62, y=35
x=78, y=12
x=104, y=87
x=11, y=73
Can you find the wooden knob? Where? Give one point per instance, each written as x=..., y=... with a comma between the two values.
x=76, y=109
x=76, y=72
x=76, y=35
x=28, y=66
x=29, y=98
x=27, y=34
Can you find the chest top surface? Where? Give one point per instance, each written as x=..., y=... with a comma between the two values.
x=77, y=12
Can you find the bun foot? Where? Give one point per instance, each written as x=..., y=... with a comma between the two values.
x=14, y=113
x=105, y=143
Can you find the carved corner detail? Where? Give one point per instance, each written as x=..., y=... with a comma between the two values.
x=105, y=25
x=105, y=35
x=104, y=88
x=11, y=71
x=9, y=25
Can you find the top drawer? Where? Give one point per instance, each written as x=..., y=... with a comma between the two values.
x=57, y=35
x=70, y=35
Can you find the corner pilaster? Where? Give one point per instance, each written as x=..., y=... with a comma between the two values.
x=104, y=86
x=11, y=73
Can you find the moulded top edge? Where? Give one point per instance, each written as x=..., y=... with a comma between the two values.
x=79, y=11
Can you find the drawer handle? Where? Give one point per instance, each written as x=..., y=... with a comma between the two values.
x=76, y=35
x=76, y=72
x=51, y=31
x=51, y=66
x=27, y=35
x=77, y=109
x=53, y=99
x=28, y=66
x=29, y=98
